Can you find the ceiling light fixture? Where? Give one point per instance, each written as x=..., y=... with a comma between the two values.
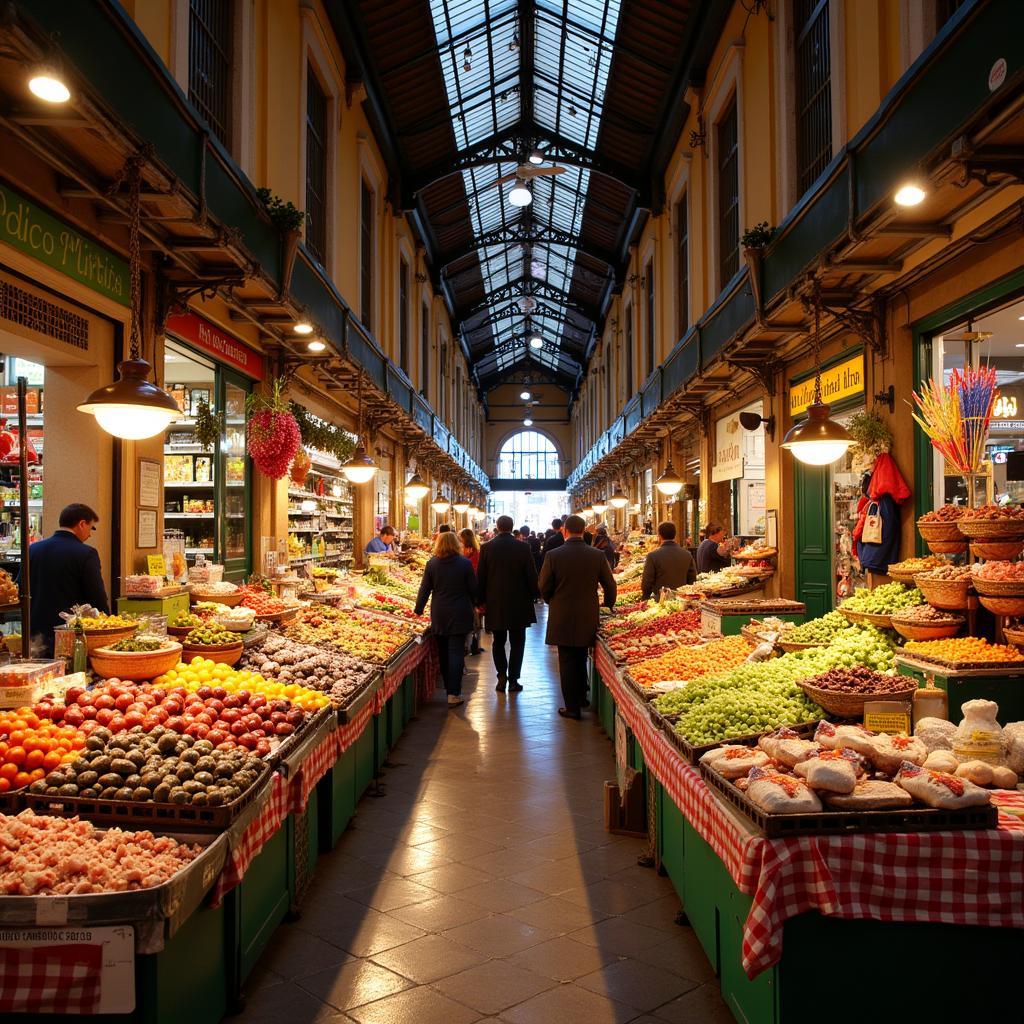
x=415, y=489
x=47, y=83
x=817, y=440
x=316, y=345
x=618, y=499
x=536, y=157
x=670, y=483
x=460, y=507
x=909, y=195
x=527, y=422
x=303, y=327
x=133, y=407
x=535, y=340
x=587, y=511
x=600, y=507
x=360, y=469
x=520, y=194
x=525, y=395
x=440, y=504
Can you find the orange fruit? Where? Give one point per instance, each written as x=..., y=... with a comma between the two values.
x=16, y=756
x=21, y=780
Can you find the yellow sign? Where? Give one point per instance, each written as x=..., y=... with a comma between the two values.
x=156, y=565
x=844, y=380
x=1005, y=407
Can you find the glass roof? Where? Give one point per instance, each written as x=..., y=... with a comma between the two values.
x=478, y=44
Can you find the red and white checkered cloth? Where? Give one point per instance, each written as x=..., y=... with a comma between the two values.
x=51, y=979
x=320, y=760
x=963, y=878
x=243, y=852
x=348, y=733
x=396, y=673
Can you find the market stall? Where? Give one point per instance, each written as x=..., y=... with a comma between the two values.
x=218, y=759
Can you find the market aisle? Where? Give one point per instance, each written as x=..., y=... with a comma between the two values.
x=484, y=886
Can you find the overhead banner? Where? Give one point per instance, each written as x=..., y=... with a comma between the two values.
x=844, y=380
x=209, y=338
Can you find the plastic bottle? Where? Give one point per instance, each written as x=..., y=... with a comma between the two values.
x=80, y=651
x=930, y=702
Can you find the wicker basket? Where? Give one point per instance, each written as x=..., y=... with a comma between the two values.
x=229, y=600
x=105, y=637
x=997, y=550
x=223, y=654
x=279, y=617
x=915, y=630
x=947, y=547
x=179, y=631
x=999, y=588
x=992, y=529
x=851, y=705
x=939, y=531
x=134, y=665
x=1002, y=605
x=867, y=618
x=946, y=595
x=790, y=646
x=903, y=577
x=1014, y=635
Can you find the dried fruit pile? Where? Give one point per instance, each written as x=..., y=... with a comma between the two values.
x=927, y=615
x=963, y=649
x=692, y=662
x=944, y=514
x=993, y=512
x=860, y=680
x=948, y=572
x=1001, y=572
x=42, y=856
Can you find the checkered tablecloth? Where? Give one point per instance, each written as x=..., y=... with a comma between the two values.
x=395, y=674
x=62, y=978
x=961, y=878
x=253, y=835
x=320, y=760
x=348, y=733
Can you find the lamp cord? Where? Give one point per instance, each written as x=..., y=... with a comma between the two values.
x=131, y=172
x=817, y=347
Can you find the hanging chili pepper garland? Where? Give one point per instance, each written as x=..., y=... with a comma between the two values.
x=273, y=434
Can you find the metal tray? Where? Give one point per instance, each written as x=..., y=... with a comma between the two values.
x=348, y=712
x=288, y=757
x=911, y=819
x=693, y=754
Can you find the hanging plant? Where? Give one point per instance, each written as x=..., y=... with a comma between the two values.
x=872, y=436
x=758, y=236
x=209, y=425
x=273, y=434
x=285, y=216
x=301, y=466
x=322, y=436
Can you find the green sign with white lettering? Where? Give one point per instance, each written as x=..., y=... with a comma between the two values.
x=31, y=229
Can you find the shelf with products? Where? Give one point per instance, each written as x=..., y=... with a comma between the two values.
x=188, y=515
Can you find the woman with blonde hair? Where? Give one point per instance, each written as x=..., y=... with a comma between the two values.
x=449, y=583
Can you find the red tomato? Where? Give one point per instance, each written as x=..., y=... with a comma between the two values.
x=73, y=694
x=84, y=700
x=74, y=716
x=123, y=701
x=133, y=718
x=104, y=716
x=116, y=723
x=216, y=736
x=175, y=724
x=105, y=701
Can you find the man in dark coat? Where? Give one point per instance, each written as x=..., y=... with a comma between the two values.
x=506, y=589
x=568, y=582
x=554, y=539
x=668, y=565
x=64, y=571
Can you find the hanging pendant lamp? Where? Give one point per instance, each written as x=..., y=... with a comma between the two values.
x=415, y=489
x=670, y=483
x=440, y=504
x=818, y=440
x=618, y=499
x=133, y=407
x=360, y=469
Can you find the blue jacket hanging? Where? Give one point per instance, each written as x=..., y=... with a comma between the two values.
x=876, y=557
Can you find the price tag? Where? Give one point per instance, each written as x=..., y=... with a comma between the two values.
x=156, y=565
x=889, y=716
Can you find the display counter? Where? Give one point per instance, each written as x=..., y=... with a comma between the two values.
x=777, y=917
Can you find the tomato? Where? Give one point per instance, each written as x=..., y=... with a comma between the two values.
x=8, y=770
x=175, y=724
x=51, y=760
x=133, y=718
x=34, y=759
x=85, y=699
x=36, y=774
x=73, y=694
x=216, y=736
x=116, y=724
x=105, y=701
x=16, y=756
x=21, y=780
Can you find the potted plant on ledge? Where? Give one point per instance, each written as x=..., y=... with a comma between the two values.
x=288, y=219
x=754, y=241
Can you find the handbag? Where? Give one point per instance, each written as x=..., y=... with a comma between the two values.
x=872, y=533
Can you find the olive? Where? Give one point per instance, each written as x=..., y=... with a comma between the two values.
x=192, y=786
x=39, y=786
x=101, y=764
x=203, y=746
x=168, y=743
x=206, y=764
x=94, y=742
x=122, y=766
x=110, y=779
x=199, y=799
x=190, y=756
x=91, y=793
x=117, y=752
x=108, y=793
x=179, y=796
x=214, y=797
x=205, y=778
x=69, y=789
x=137, y=757
x=185, y=771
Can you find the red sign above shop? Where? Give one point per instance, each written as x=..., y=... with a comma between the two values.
x=209, y=338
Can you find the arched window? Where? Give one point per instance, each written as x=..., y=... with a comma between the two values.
x=528, y=456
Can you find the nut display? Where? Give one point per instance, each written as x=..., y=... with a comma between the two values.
x=944, y=514
x=334, y=673
x=1000, y=572
x=860, y=680
x=993, y=512
x=161, y=766
x=949, y=572
x=927, y=615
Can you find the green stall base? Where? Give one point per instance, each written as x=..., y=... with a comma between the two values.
x=381, y=725
x=408, y=692
x=305, y=835
x=730, y=625
x=800, y=984
x=364, y=758
x=260, y=902
x=336, y=798
x=195, y=953
x=169, y=606
x=1006, y=688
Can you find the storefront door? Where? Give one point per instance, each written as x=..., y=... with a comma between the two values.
x=234, y=528
x=813, y=538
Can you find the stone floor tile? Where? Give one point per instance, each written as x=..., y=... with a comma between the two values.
x=415, y=1006
x=627, y=938
x=500, y=895
x=557, y=915
x=681, y=954
x=564, y=959
x=607, y=896
x=391, y=895
x=499, y=935
x=451, y=878
x=494, y=986
x=288, y=1002
x=353, y=983
x=429, y=959
x=703, y=1005
x=636, y=984
x=569, y=1003
x=440, y=913
x=363, y=934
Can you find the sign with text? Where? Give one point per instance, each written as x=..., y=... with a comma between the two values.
x=844, y=380
x=31, y=229
x=224, y=347
x=728, y=449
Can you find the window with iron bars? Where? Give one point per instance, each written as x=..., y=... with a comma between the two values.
x=812, y=54
x=682, y=267
x=403, y=315
x=728, y=159
x=316, y=167
x=211, y=32
x=528, y=455
x=366, y=255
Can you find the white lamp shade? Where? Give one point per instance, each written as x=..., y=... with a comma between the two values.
x=520, y=195
x=132, y=422
x=600, y=508
x=46, y=86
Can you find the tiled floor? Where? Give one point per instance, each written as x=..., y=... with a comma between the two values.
x=483, y=885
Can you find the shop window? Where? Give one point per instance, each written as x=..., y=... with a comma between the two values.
x=728, y=160
x=316, y=167
x=425, y=351
x=812, y=59
x=11, y=368
x=403, y=314
x=211, y=32
x=649, y=288
x=682, y=267
x=528, y=455
x=628, y=346
x=366, y=255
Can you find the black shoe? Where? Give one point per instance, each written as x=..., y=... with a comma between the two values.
x=566, y=713
x=515, y=687
x=500, y=688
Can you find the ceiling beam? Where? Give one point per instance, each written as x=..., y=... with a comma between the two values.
x=526, y=286
x=524, y=233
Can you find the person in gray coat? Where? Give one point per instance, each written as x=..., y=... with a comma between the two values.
x=568, y=582
x=668, y=565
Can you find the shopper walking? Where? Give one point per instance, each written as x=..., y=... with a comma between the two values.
x=554, y=540
x=506, y=589
x=668, y=565
x=606, y=545
x=471, y=550
x=568, y=582
x=448, y=582
x=534, y=543
x=383, y=543
x=64, y=571
x=714, y=551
